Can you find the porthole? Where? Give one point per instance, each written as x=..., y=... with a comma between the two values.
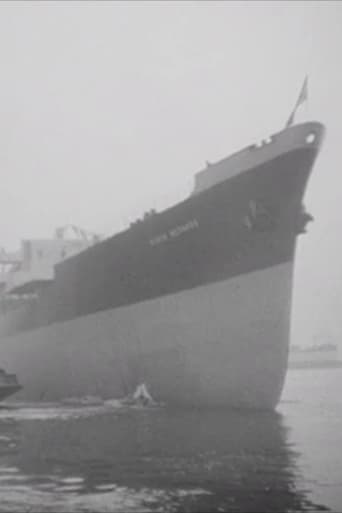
x=310, y=138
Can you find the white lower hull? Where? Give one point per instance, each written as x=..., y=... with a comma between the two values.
x=220, y=344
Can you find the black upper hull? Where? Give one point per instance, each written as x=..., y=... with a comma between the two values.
x=207, y=238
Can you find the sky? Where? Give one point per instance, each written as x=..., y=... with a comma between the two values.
x=108, y=109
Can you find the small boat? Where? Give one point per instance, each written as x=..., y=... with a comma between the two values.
x=8, y=384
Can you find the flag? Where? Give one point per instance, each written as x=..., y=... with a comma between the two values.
x=303, y=96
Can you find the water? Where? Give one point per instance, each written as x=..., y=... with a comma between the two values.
x=112, y=458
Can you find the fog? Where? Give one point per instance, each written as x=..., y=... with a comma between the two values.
x=108, y=109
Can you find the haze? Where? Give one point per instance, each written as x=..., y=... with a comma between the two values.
x=108, y=109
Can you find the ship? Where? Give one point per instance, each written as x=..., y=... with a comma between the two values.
x=193, y=302
x=316, y=356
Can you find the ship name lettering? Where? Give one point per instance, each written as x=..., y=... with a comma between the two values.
x=178, y=230
x=159, y=239
x=174, y=232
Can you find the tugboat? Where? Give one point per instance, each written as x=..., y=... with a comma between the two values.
x=8, y=384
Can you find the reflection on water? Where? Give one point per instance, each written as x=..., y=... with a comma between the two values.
x=121, y=459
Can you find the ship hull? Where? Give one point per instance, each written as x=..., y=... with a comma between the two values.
x=223, y=344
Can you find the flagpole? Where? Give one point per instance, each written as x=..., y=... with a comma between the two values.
x=303, y=97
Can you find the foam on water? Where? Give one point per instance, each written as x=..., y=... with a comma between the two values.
x=41, y=411
x=106, y=498
x=72, y=480
x=8, y=470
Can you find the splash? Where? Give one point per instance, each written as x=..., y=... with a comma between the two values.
x=140, y=397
